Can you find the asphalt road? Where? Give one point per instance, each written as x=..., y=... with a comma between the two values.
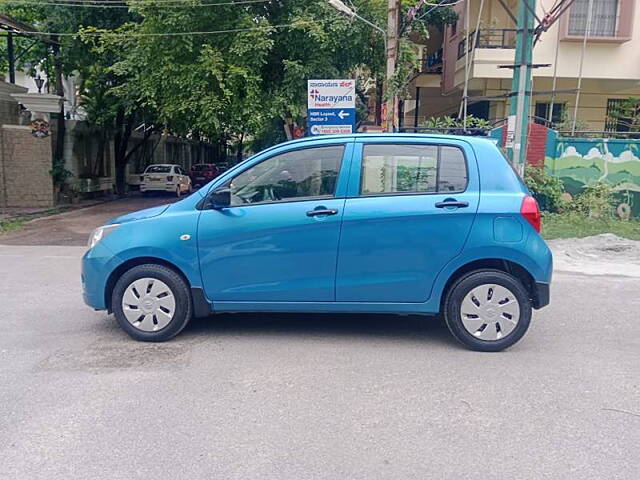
x=312, y=396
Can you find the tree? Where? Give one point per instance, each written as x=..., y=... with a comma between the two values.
x=236, y=84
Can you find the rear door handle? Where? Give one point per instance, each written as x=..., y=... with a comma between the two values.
x=328, y=211
x=452, y=203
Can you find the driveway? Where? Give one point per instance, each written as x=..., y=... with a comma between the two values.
x=73, y=228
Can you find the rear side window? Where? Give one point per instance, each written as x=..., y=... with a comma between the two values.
x=392, y=168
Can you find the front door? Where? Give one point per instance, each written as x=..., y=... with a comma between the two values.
x=409, y=211
x=278, y=240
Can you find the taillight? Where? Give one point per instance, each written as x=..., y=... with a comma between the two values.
x=530, y=211
x=170, y=178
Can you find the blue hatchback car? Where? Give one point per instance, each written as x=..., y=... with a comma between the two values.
x=395, y=223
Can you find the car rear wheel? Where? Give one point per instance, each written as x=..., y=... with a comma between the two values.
x=151, y=303
x=487, y=310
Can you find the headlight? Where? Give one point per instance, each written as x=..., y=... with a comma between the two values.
x=101, y=232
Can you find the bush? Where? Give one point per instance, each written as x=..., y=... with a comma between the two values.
x=545, y=188
x=595, y=201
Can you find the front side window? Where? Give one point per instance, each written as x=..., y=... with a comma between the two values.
x=388, y=169
x=296, y=175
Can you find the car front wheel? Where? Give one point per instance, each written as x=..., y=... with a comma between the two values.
x=488, y=310
x=151, y=303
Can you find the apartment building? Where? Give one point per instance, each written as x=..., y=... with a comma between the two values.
x=610, y=73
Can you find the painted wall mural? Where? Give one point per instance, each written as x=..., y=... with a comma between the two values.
x=579, y=162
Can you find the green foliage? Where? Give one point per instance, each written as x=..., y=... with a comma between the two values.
x=546, y=189
x=233, y=87
x=595, y=201
x=627, y=114
x=59, y=173
x=566, y=125
x=439, y=123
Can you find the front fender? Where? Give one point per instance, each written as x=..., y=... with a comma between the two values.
x=170, y=237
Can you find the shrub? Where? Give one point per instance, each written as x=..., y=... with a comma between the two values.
x=594, y=201
x=473, y=124
x=545, y=188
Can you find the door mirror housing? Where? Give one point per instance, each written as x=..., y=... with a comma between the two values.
x=220, y=198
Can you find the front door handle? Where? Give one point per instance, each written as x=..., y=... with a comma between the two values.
x=452, y=203
x=328, y=211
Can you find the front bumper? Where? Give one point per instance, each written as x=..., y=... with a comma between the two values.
x=97, y=265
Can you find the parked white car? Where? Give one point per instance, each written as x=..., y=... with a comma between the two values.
x=165, y=178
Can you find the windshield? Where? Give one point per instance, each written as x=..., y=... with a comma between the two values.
x=158, y=169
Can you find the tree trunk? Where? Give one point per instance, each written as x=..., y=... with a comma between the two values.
x=124, y=129
x=240, y=149
x=378, y=101
x=60, y=129
x=121, y=141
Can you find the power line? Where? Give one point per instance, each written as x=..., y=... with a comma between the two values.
x=154, y=4
x=441, y=3
x=170, y=34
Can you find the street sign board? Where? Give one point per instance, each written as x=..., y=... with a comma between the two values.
x=331, y=106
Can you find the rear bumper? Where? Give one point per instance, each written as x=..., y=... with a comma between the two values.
x=541, y=295
x=158, y=187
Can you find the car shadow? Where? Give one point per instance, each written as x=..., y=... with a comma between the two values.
x=378, y=326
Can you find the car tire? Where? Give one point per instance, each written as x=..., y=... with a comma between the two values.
x=163, y=299
x=178, y=191
x=487, y=310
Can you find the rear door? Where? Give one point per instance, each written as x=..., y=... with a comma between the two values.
x=409, y=210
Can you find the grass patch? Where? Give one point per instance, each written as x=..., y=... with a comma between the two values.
x=16, y=223
x=13, y=224
x=577, y=226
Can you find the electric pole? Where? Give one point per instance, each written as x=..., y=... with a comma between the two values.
x=521, y=86
x=393, y=17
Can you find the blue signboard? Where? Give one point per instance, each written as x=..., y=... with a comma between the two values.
x=331, y=120
x=331, y=106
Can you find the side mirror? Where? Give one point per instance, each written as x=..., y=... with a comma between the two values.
x=220, y=198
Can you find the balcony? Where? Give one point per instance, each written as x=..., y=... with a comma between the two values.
x=432, y=63
x=491, y=38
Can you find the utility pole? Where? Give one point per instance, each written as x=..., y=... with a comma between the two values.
x=521, y=85
x=393, y=17
x=12, y=58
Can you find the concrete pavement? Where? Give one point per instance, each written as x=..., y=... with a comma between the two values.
x=312, y=396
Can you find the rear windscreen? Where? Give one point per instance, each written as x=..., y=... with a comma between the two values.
x=200, y=168
x=158, y=169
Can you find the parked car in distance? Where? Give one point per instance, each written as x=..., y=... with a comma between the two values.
x=203, y=173
x=392, y=223
x=222, y=167
x=165, y=178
